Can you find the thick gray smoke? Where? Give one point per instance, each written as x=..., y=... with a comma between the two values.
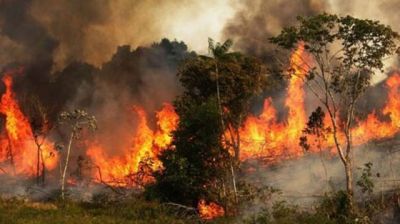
x=51, y=45
x=305, y=180
x=90, y=30
x=41, y=35
x=256, y=21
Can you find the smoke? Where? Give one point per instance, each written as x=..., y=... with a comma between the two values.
x=59, y=44
x=256, y=21
x=381, y=10
x=89, y=31
x=304, y=181
x=70, y=58
x=144, y=77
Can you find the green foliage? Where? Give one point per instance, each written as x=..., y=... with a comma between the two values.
x=332, y=209
x=128, y=211
x=251, y=194
x=239, y=77
x=342, y=54
x=217, y=91
x=196, y=165
x=342, y=47
x=282, y=213
x=365, y=182
x=218, y=50
x=315, y=127
x=365, y=42
x=336, y=207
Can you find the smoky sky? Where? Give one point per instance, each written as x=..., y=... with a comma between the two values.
x=91, y=30
x=50, y=41
x=256, y=21
x=72, y=50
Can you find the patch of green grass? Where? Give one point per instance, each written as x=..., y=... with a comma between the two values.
x=132, y=212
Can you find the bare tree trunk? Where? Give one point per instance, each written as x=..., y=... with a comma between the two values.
x=345, y=158
x=219, y=97
x=234, y=183
x=43, y=167
x=66, y=165
x=11, y=155
x=223, y=128
x=349, y=184
x=349, y=153
x=237, y=145
x=38, y=165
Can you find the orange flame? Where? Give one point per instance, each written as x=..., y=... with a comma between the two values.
x=210, y=210
x=372, y=128
x=146, y=144
x=17, y=143
x=260, y=136
x=167, y=121
x=263, y=136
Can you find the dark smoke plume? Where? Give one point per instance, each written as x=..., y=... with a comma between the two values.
x=256, y=21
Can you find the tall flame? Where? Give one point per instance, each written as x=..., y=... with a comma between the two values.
x=17, y=142
x=263, y=135
x=146, y=144
x=373, y=128
x=167, y=121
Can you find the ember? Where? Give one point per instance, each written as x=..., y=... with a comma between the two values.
x=210, y=210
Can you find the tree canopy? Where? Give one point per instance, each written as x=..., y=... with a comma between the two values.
x=342, y=55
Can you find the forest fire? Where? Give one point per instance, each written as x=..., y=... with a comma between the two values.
x=263, y=136
x=373, y=128
x=210, y=210
x=250, y=111
x=129, y=169
x=19, y=150
x=17, y=140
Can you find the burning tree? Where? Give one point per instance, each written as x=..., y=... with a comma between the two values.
x=18, y=139
x=38, y=118
x=199, y=164
x=75, y=121
x=344, y=53
x=237, y=79
x=196, y=165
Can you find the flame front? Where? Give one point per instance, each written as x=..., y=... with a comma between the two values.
x=263, y=136
x=373, y=128
x=260, y=136
x=146, y=145
x=17, y=141
x=210, y=210
x=167, y=121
